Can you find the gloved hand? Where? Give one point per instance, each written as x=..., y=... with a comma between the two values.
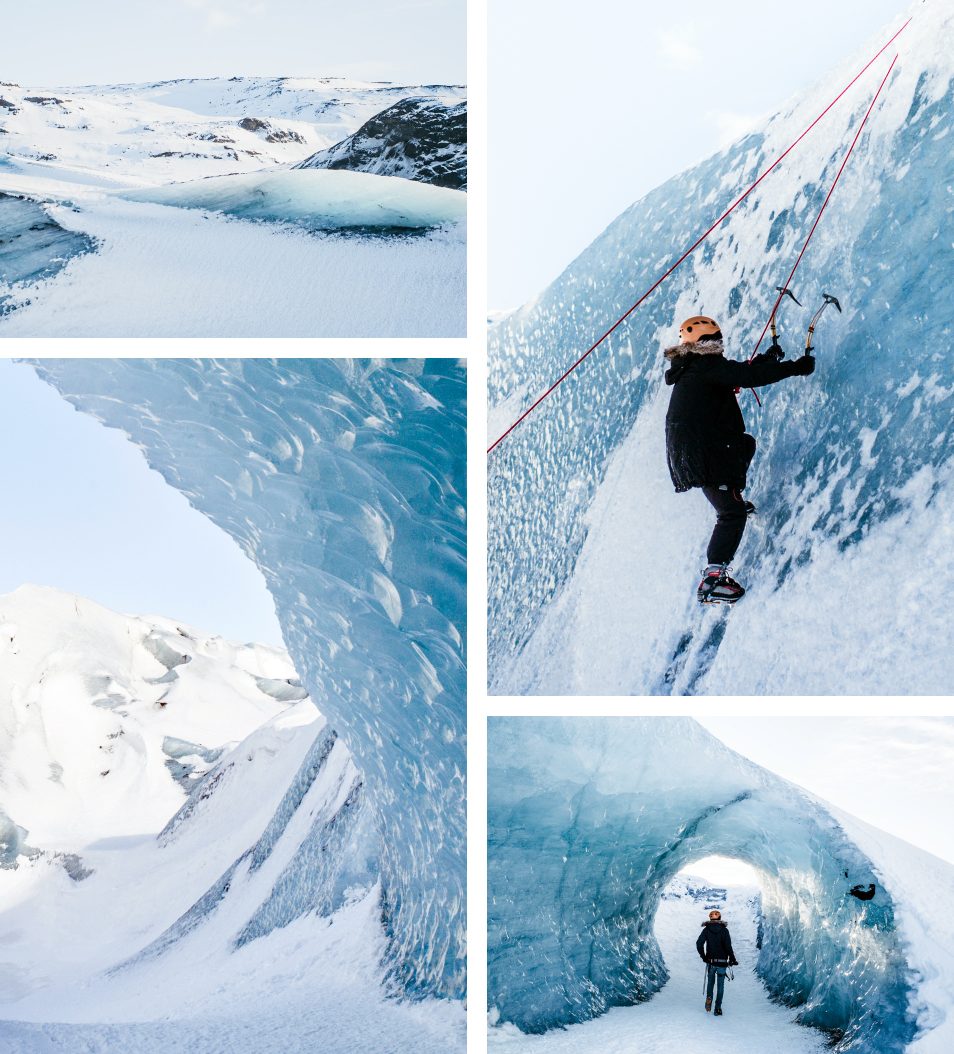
x=733, y=961
x=805, y=365
x=774, y=351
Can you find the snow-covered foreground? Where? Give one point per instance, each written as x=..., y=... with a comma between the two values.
x=237, y=278
x=118, y=933
x=675, y=1021
x=225, y=148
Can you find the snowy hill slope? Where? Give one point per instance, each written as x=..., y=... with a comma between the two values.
x=71, y=152
x=590, y=819
x=593, y=559
x=112, y=937
x=108, y=720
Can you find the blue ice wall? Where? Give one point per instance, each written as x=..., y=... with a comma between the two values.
x=589, y=820
x=877, y=410
x=344, y=480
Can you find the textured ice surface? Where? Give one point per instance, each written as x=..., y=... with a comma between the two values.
x=32, y=244
x=853, y=472
x=344, y=481
x=320, y=199
x=589, y=821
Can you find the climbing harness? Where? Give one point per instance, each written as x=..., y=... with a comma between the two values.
x=695, y=245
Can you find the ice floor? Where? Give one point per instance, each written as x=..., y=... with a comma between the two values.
x=675, y=1021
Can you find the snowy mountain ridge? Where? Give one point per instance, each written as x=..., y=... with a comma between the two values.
x=593, y=559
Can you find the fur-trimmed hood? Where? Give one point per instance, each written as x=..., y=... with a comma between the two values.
x=701, y=347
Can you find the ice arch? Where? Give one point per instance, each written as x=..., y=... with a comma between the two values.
x=589, y=821
x=344, y=481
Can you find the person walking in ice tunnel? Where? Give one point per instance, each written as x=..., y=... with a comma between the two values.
x=706, y=442
x=715, y=949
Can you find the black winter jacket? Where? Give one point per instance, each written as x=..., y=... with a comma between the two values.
x=706, y=441
x=715, y=945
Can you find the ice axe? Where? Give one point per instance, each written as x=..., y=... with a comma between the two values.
x=785, y=291
x=828, y=299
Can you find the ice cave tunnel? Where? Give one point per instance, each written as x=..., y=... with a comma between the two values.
x=590, y=820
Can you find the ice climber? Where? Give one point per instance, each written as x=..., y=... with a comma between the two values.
x=715, y=949
x=706, y=442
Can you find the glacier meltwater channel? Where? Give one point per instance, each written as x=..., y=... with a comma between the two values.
x=344, y=481
x=590, y=820
x=592, y=591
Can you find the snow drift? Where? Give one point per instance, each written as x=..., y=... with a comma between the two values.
x=344, y=481
x=592, y=557
x=590, y=820
x=318, y=199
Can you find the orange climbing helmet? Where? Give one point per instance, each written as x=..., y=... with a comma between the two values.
x=699, y=327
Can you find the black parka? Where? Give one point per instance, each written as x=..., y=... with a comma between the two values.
x=715, y=945
x=706, y=441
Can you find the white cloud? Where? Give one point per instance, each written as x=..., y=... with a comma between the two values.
x=220, y=15
x=678, y=50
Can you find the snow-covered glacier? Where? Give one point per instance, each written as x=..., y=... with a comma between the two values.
x=240, y=243
x=593, y=559
x=589, y=822
x=344, y=481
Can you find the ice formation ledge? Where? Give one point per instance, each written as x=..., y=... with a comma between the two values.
x=590, y=820
x=344, y=481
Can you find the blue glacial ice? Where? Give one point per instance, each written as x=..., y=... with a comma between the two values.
x=592, y=557
x=319, y=199
x=344, y=481
x=32, y=244
x=589, y=821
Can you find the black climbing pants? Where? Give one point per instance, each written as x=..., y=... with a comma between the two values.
x=715, y=978
x=730, y=523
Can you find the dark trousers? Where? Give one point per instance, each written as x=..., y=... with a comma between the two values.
x=730, y=523
x=713, y=974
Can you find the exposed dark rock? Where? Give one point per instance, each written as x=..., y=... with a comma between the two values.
x=272, y=135
x=44, y=100
x=5, y=104
x=421, y=139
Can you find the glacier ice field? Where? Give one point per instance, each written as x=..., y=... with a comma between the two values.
x=589, y=822
x=344, y=481
x=593, y=559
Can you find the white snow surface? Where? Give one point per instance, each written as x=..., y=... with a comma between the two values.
x=83, y=775
x=153, y=273
x=675, y=1021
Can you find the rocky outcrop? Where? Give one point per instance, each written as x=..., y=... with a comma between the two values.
x=421, y=138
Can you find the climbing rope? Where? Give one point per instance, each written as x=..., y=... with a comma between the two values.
x=695, y=245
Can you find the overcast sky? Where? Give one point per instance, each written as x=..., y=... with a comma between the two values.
x=83, y=512
x=894, y=773
x=66, y=42
x=594, y=104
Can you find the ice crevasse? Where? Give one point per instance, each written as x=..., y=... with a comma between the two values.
x=590, y=819
x=592, y=557
x=344, y=481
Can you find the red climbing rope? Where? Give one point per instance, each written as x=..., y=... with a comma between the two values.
x=695, y=245
x=821, y=211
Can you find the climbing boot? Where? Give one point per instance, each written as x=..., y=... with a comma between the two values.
x=717, y=587
x=718, y=1012
x=708, y=1005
